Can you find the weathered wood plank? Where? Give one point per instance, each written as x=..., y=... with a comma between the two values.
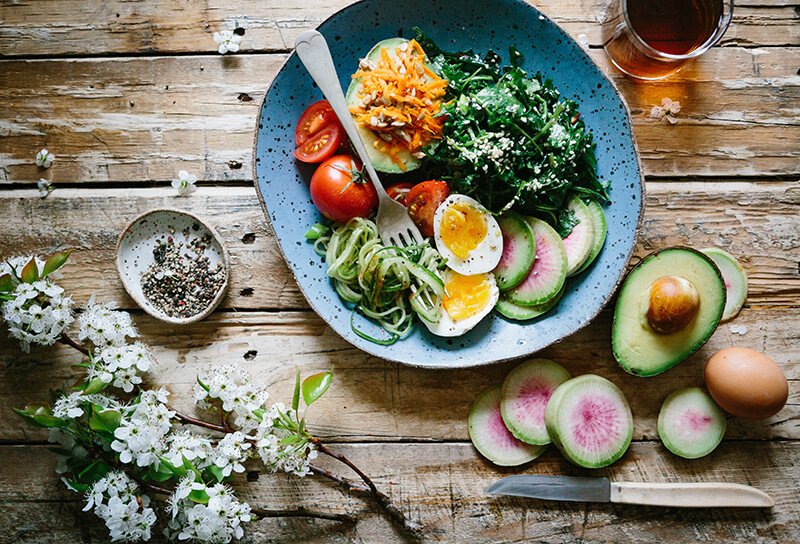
x=375, y=400
x=89, y=27
x=757, y=222
x=138, y=120
x=441, y=486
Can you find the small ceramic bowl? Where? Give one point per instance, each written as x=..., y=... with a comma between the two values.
x=135, y=255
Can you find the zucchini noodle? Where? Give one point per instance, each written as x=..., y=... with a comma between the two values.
x=385, y=283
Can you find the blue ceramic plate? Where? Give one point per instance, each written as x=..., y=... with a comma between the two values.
x=282, y=182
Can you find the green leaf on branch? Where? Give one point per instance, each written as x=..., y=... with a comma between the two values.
x=6, y=283
x=78, y=487
x=55, y=261
x=40, y=415
x=201, y=384
x=296, y=396
x=189, y=466
x=30, y=272
x=315, y=386
x=162, y=474
x=104, y=420
x=95, y=385
x=216, y=472
x=199, y=496
x=177, y=471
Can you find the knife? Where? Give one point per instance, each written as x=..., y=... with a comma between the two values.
x=685, y=495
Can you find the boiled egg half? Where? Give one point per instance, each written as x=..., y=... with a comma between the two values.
x=467, y=236
x=467, y=300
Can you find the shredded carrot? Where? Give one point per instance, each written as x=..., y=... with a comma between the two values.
x=399, y=99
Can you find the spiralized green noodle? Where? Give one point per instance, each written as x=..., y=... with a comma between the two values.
x=385, y=283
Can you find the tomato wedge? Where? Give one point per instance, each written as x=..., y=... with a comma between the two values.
x=422, y=201
x=317, y=116
x=321, y=146
x=398, y=191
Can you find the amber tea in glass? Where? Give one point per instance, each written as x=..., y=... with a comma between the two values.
x=651, y=39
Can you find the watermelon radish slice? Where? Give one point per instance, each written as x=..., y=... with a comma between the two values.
x=690, y=424
x=589, y=420
x=519, y=251
x=524, y=396
x=490, y=436
x=549, y=271
x=580, y=241
x=735, y=280
x=516, y=312
x=598, y=218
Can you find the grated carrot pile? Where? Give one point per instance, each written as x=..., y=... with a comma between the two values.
x=398, y=99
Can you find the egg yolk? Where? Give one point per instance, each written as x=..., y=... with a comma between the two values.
x=462, y=229
x=465, y=296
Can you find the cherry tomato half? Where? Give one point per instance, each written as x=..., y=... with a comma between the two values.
x=317, y=116
x=422, y=201
x=321, y=146
x=340, y=192
x=398, y=191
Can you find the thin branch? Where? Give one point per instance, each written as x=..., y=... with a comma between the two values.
x=66, y=340
x=384, y=502
x=301, y=513
x=349, y=484
x=189, y=420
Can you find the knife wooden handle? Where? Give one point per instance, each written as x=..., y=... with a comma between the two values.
x=690, y=495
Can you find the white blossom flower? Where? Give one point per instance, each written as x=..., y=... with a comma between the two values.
x=127, y=521
x=231, y=452
x=227, y=41
x=666, y=111
x=141, y=435
x=104, y=327
x=45, y=187
x=69, y=406
x=237, y=392
x=187, y=444
x=294, y=458
x=38, y=313
x=44, y=158
x=218, y=521
x=185, y=184
x=119, y=366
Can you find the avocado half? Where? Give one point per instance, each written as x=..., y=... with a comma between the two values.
x=382, y=162
x=640, y=350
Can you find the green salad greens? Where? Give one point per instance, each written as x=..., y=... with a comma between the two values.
x=510, y=140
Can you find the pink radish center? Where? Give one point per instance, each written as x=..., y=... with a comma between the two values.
x=695, y=420
x=532, y=400
x=595, y=423
x=500, y=433
x=509, y=250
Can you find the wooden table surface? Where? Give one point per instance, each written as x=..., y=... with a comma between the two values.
x=125, y=94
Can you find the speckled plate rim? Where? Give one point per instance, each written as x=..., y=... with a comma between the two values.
x=374, y=350
x=146, y=307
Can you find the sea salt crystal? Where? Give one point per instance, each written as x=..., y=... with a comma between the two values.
x=741, y=330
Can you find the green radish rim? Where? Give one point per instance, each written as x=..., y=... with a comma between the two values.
x=580, y=241
x=734, y=277
x=524, y=396
x=509, y=310
x=570, y=401
x=598, y=217
x=690, y=424
x=549, y=271
x=519, y=251
x=491, y=437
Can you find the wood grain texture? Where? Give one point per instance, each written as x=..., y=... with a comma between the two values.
x=87, y=27
x=373, y=399
x=441, y=486
x=758, y=222
x=139, y=120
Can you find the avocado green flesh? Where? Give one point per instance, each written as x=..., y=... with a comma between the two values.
x=640, y=350
x=382, y=162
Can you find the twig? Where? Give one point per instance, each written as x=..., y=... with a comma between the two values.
x=383, y=500
x=183, y=418
x=66, y=340
x=301, y=513
x=349, y=484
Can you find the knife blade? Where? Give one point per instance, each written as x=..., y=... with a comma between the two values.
x=681, y=495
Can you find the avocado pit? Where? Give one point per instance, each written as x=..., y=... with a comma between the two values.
x=674, y=302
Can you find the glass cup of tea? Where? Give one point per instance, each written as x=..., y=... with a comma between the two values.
x=651, y=39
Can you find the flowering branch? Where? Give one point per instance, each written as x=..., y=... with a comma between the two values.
x=66, y=340
x=189, y=420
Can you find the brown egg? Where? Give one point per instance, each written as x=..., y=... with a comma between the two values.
x=746, y=383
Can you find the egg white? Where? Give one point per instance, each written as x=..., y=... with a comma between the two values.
x=447, y=327
x=483, y=258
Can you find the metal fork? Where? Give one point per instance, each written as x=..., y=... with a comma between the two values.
x=394, y=224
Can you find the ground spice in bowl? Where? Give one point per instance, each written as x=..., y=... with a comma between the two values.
x=182, y=282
